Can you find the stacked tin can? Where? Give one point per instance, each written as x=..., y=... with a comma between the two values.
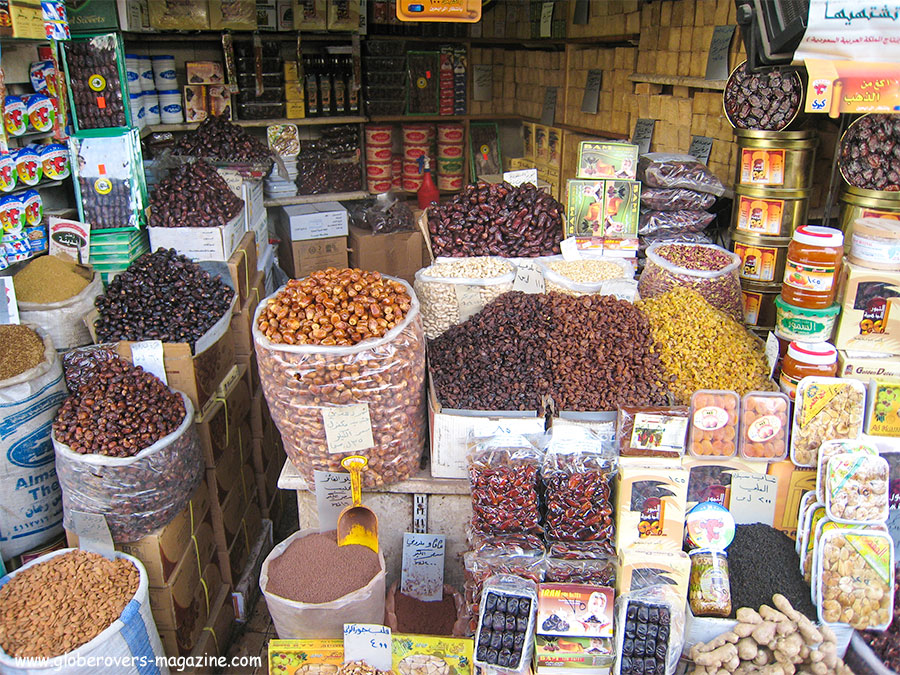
x=379, y=155
x=450, y=153
x=418, y=143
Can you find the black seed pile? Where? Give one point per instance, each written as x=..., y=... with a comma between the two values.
x=761, y=563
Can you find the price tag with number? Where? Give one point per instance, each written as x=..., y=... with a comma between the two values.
x=369, y=643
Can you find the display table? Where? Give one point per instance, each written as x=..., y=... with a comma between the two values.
x=449, y=510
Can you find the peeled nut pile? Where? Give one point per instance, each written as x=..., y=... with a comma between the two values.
x=771, y=641
x=162, y=296
x=193, y=195
x=440, y=300
x=862, y=494
x=58, y=605
x=589, y=353
x=335, y=307
x=841, y=416
x=852, y=590
x=218, y=139
x=766, y=101
x=497, y=219
x=583, y=272
x=870, y=150
x=703, y=348
x=122, y=411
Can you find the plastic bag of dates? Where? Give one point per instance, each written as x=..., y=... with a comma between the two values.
x=577, y=473
x=342, y=362
x=649, y=631
x=137, y=494
x=665, y=170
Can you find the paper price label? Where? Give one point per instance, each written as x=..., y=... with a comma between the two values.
x=717, y=61
x=93, y=532
x=590, y=101
x=468, y=300
x=548, y=113
x=546, y=19
x=149, y=356
x=569, y=249
x=483, y=82
x=528, y=279
x=422, y=571
x=332, y=496
x=9, y=309
x=348, y=428
x=753, y=497
x=520, y=177
x=369, y=643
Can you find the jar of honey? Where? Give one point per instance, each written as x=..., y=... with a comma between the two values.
x=806, y=358
x=812, y=267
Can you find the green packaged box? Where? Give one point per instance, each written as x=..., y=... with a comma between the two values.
x=584, y=210
x=605, y=160
x=603, y=208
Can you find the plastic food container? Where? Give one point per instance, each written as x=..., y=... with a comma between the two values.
x=856, y=489
x=714, y=423
x=248, y=82
x=806, y=359
x=764, y=426
x=805, y=325
x=830, y=449
x=875, y=243
x=268, y=95
x=260, y=111
x=826, y=408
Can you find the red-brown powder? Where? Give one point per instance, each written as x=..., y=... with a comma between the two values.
x=425, y=618
x=315, y=569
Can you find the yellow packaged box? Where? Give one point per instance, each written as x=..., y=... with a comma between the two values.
x=429, y=654
x=883, y=367
x=640, y=567
x=869, y=321
x=883, y=414
x=651, y=499
x=287, y=657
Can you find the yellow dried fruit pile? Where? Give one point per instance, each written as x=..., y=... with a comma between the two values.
x=703, y=348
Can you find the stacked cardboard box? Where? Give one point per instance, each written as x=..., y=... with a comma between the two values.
x=614, y=103
x=613, y=17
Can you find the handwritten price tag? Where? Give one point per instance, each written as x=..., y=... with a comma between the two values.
x=149, y=356
x=753, y=497
x=422, y=571
x=332, y=497
x=591, y=100
x=9, y=308
x=368, y=642
x=546, y=19
x=483, y=80
x=643, y=134
x=700, y=148
x=548, y=113
x=520, y=177
x=528, y=279
x=717, y=62
x=468, y=300
x=348, y=428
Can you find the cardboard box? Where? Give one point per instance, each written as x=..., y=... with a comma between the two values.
x=242, y=266
x=218, y=99
x=651, y=499
x=579, y=602
x=527, y=143
x=455, y=652
x=246, y=590
x=183, y=604
x=343, y=15
x=221, y=425
x=134, y=16
x=793, y=481
x=870, y=310
x=301, y=258
x=606, y=160
x=196, y=107
x=227, y=473
x=294, y=92
x=205, y=72
x=883, y=367
x=291, y=72
x=883, y=409
x=238, y=555
x=179, y=15
x=27, y=19
x=318, y=651
x=285, y=9
x=295, y=110
x=242, y=321
x=266, y=18
x=640, y=567
x=232, y=14
x=201, y=243
x=313, y=221
x=92, y=16
x=398, y=254
x=310, y=15
x=197, y=375
x=216, y=635
x=573, y=652
x=449, y=431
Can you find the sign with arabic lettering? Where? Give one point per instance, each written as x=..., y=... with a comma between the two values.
x=836, y=87
x=854, y=30
x=422, y=570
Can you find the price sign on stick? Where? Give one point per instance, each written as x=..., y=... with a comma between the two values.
x=332, y=497
x=369, y=643
x=422, y=571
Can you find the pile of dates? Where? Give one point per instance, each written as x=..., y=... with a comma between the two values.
x=870, y=153
x=193, y=195
x=765, y=101
x=497, y=219
x=218, y=139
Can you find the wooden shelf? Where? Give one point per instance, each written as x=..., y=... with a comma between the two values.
x=302, y=121
x=315, y=199
x=539, y=43
x=216, y=36
x=42, y=185
x=694, y=82
x=420, y=483
x=587, y=131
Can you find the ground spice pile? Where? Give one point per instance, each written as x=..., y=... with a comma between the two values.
x=315, y=569
x=21, y=349
x=49, y=279
x=425, y=618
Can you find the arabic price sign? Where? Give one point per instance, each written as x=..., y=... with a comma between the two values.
x=836, y=87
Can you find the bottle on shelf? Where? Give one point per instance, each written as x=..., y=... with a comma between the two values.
x=813, y=267
x=428, y=193
x=310, y=75
x=325, y=82
x=339, y=102
x=352, y=87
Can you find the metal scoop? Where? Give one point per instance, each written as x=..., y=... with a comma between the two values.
x=357, y=524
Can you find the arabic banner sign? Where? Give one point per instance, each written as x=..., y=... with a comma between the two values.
x=850, y=30
x=836, y=87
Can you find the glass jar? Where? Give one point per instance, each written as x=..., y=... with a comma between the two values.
x=806, y=358
x=812, y=267
x=709, y=590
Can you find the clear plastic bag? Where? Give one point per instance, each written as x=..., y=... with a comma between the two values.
x=830, y=449
x=665, y=170
x=64, y=321
x=384, y=214
x=510, y=604
x=384, y=378
x=596, y=571
x=503, y=474
x=479, y=566
x=80, y=365
x=563, y=276
x=453, y=289
x=657, y=611
x=673, y=222
x=390, y=609
x=301, y=620
x=577, y=474
x=709, y=270
x=138, y=494
x=675, y=199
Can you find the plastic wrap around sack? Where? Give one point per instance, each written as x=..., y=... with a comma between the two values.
x=443, y=298
x=668, y=170
x=132, y=635
x=31, y=509
x=64, y=321
x=386, y=374
x=556, y=281
x=659, y=596
x=138, y=494
x=301, y=620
